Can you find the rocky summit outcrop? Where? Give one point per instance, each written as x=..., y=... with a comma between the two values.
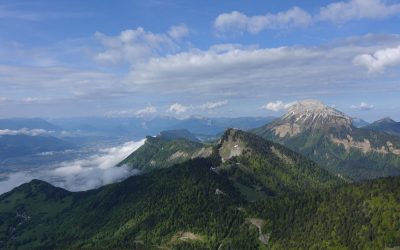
x=311, y=115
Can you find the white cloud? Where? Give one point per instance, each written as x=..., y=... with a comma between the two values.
x=340, y=12
x=337, y=12
x=30, y=100
x=83, y=174
x=244, y=71
x=135, y=45
x=363, y=106
x=146, y=111
x=213, y=105
x=25, y=131
x=178, y=31
x=237, y=21
x=379, y=60
x=277, y=106
x=178, y=108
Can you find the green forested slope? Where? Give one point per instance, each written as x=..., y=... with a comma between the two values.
x=352, y=162
x=208, y=203
x=262, y=165
x=355, y=216
x=159, y=152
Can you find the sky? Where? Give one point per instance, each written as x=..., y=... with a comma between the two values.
x=227, y=58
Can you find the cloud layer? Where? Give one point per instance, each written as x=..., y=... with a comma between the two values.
x=337, y=12
x=239, y=22
x=82, y=174
x=363, y=106
x=277, y=106
x=25, y=131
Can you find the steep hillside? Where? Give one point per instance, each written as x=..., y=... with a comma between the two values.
x=257, y=166
x=260, y=167
x=164, y=151
x=357, y=216
x=328, y=137
x=386, y=125
x=189, y=206
x=186, y=206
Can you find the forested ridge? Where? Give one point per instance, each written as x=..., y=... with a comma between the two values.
x=248, y=194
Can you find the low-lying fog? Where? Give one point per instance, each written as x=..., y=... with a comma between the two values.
x=80, y=174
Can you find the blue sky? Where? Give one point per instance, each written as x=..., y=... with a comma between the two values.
x=178, y=58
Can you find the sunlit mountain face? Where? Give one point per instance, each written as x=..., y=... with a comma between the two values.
x=186, y=125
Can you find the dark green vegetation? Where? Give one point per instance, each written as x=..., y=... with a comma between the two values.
x=161, y=152
x=208, y=203
x=269, y=168
x=178, y=134
x=145, y=211
x=352, y=162
x=354, y=216
x=386, y=125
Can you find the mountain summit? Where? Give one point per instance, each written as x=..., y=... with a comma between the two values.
x=311, y=115
x=328, y=137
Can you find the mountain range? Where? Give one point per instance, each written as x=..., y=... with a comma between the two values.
x=387, y=125
x=329, y=137
x=248, y=193
x=274, y=187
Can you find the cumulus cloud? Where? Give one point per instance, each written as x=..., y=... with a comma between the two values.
x=25, y=131
x=277, y=106
x=83, y=174
x=131, y=45
x=379, y=60
x=237, y=21
x=178, y=31
x=337, y=12
x=213, y=105
x=340, y=12
x=178, y=108
x=363, y=106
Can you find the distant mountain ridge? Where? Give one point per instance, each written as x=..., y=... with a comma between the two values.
x=387, y=125
x=328, y=136
x=359, y=123
x=27, y=123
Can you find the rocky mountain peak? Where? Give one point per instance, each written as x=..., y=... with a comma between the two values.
x=312, y=115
